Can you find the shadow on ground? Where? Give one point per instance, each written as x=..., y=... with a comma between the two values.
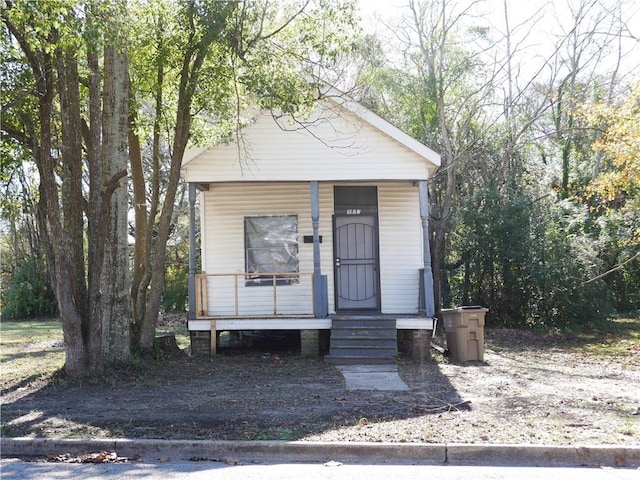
x=241, y=394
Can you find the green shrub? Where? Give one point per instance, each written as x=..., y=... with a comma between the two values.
x=174, y=298
x=28, y=294
x=529, y=262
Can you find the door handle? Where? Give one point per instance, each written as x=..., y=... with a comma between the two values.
x=337, y=262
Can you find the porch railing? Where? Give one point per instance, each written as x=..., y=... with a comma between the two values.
x=254, y=295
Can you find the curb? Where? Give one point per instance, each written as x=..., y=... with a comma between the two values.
x=353, y=452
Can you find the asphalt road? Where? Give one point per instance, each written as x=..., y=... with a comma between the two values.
x=15, y=469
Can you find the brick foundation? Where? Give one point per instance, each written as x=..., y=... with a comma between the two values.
x=200, y=343
x=310, y=343
x=415, y=343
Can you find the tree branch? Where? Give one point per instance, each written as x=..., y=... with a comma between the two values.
x=241, y=50
x=34, y=61
x=16, y=134
x=617, y=267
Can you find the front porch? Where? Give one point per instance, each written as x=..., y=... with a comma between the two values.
x=345, y=260
x=413, y=331
x=233, y=296
x=228, y=302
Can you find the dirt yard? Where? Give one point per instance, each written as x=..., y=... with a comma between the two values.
x=530, y=389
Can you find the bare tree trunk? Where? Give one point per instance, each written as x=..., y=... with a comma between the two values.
x=432, y=24
x=140, y=246
x=68, y=287
x=116, y=317
x=148, y=296
x=144, y=249
x=72, y=199
x=72, y=202
x=154, y=294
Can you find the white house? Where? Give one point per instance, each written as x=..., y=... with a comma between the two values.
x=306, y=225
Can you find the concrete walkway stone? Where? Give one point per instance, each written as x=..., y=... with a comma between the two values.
x=372, y=377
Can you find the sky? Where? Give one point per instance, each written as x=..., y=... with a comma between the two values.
x=518, y=9
x=556, y=21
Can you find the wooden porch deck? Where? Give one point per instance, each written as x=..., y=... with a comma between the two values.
x=403, y=322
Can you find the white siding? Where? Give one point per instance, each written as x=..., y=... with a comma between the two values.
x=338, y=148
x=400, y=247
x=226, y=205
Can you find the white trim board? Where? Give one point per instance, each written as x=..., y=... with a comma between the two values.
x=295, y=324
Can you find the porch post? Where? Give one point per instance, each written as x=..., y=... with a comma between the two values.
x=192, y=252
x=429, y=302
x=318, y=309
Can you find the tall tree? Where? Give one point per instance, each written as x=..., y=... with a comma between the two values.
x=49, y=38
x=615, y=191
x=211, y=59
x=439, y=99
x=587, y=61
x=185, y=47
x=116, y=313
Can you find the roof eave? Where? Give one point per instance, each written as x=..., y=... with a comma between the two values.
x=386, y=127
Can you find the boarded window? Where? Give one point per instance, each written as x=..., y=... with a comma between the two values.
x=271, y=246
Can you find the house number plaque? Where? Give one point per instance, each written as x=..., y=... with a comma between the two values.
x=354, y=211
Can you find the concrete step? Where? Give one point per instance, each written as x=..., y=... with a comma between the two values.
x=363, y=340
x=358, y=360
x=363, y=322
x=364, y=351
x=364, y=331
x=337, y=342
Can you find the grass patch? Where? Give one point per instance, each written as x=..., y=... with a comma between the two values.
x=180, y=331
x=33, y=350
x=617, y=336
x=29, y=331
x=30, y=350
x=283, y=434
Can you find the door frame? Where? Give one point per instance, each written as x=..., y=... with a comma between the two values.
x=376, y=227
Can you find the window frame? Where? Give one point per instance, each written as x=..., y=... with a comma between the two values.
x=283, y=243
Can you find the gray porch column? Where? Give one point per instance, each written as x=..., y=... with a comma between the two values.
x=429, y=302
x=318, y=308
x=192, y=252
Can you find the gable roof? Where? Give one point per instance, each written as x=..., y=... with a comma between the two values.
x=386, y=127
x=341, y=141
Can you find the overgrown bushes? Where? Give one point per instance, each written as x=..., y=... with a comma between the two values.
x=27, y=294
x=537, y=262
